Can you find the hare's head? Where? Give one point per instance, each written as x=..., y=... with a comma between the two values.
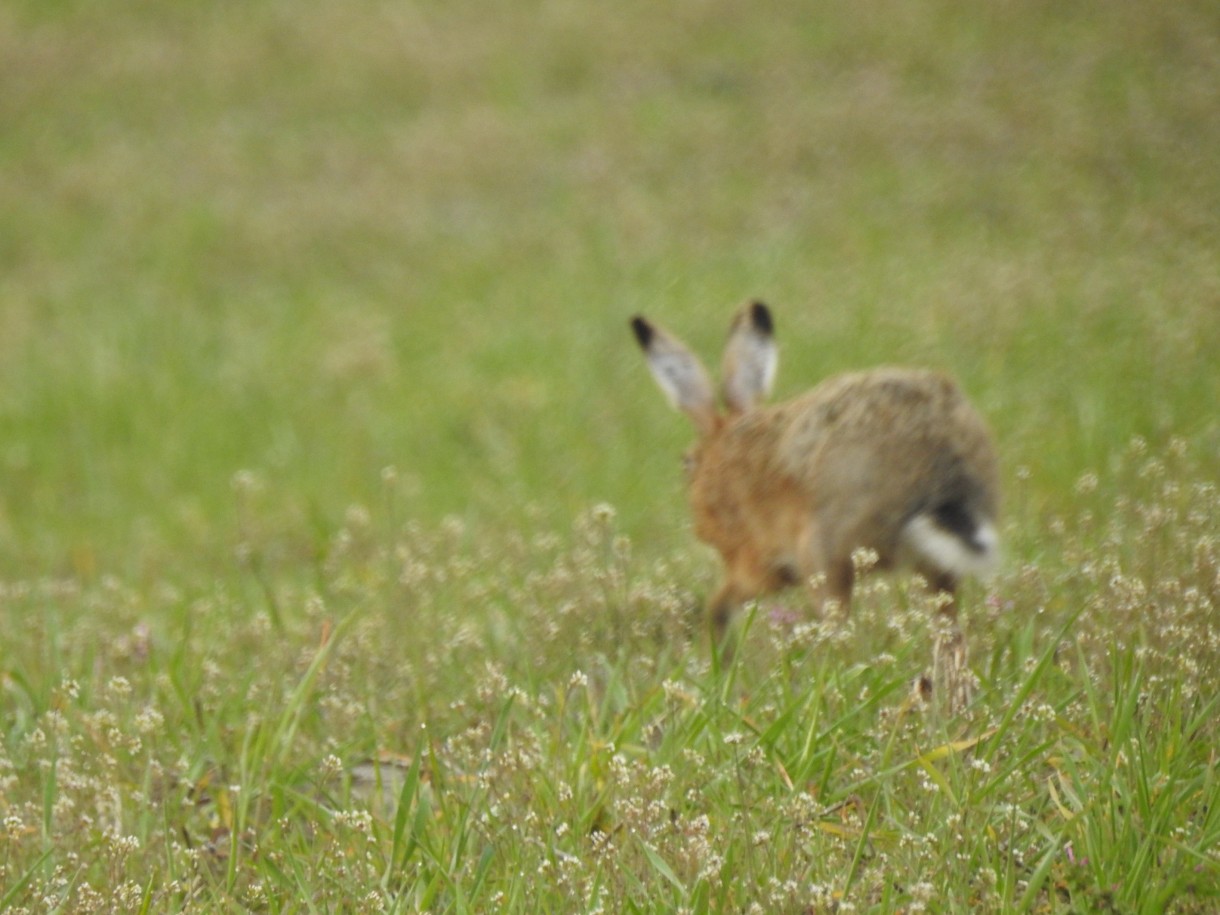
x=747, y=372
x=739, y=505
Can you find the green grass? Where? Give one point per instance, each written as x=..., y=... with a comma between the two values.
x=314, y=365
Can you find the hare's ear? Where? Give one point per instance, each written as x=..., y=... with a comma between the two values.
x=679, y=373
x=750, y=358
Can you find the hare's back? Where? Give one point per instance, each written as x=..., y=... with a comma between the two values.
x=890, y=432
x=889, y=402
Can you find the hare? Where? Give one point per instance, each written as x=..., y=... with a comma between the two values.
x=894, y=460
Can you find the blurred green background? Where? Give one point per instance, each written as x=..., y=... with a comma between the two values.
x=312, y=241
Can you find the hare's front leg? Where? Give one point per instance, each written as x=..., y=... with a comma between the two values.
x=721, y=609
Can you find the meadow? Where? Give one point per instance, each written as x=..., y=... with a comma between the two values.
x=343, y=557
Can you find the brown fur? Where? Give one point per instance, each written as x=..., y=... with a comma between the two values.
x=789, y=492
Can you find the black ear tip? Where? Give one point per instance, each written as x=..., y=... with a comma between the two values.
x=760, y=317
x=643, y=330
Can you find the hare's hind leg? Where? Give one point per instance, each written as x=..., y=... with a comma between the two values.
x=831, y=590
x=830, y=576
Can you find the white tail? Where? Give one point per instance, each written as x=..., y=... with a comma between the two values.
x=944, y=549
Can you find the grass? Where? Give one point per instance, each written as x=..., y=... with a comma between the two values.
x=316, y=388
x=557, y=740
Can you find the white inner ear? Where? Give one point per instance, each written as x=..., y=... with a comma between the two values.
x=750, y=363
x=681, y=378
